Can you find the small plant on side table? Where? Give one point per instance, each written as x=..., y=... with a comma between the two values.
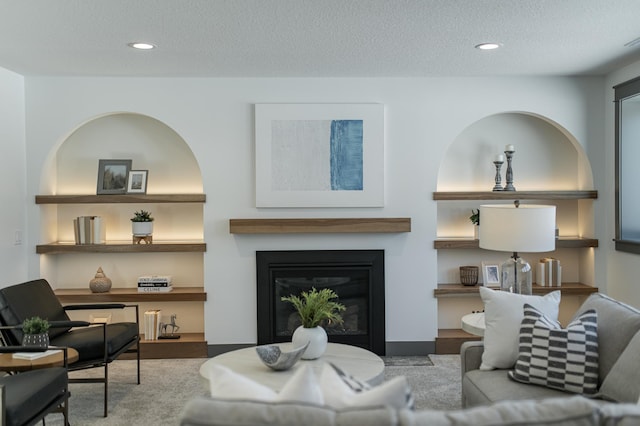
x=35, y=332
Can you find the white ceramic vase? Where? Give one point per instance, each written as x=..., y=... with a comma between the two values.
x=142, y=229
x=317, y=338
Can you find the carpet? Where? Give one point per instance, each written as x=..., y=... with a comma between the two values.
x=168, y=384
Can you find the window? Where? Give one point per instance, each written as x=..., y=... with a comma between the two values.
x=627, y=154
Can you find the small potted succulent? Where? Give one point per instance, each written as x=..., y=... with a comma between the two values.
x=142, y=223
x=35, y=331
x=315, y=307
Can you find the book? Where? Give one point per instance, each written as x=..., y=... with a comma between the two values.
x=154, y=289
x=89, y=230
x=152, y=324
x=152, y=284
x=35, y=355
x=154, y=279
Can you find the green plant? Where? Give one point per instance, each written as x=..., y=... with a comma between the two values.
x=142, y=216
x=315, y=306
x=475, y=217
x=35, y=325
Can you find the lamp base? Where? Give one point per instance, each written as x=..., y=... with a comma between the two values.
x=516, y=275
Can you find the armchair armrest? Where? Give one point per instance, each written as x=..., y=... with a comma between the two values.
x=471, y=356
x=94, y=306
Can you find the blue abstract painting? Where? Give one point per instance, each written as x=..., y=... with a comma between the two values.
x=317, y=155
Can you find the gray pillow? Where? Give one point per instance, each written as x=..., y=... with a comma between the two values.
x=622, y=384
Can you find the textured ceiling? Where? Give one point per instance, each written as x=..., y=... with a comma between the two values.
x=317, y=38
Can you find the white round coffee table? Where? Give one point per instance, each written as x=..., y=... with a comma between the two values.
x=360, y=363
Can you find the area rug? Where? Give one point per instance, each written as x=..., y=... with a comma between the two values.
x=168, y=384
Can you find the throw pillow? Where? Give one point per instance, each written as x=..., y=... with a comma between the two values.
x=338, y=395
x=224, y=383
x=502, y=316
x=303, y=386
x=622, y=384
x=563, y=359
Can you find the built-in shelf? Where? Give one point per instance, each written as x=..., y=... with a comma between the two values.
x=315, y=226
x=514, y=195
x=120, y=198
x=84, y=295
x=123, y=247
x=567, y=289
x=470, y=243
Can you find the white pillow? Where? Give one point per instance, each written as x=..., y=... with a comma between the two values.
x=302, y=387
x=338, y=395
x=224, y=383
x=503, y=313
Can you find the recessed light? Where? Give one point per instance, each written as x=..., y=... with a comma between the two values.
x=488, y=46
x=142, y=46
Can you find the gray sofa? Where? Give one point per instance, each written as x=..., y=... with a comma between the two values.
x=489, y=397
x=618, y=352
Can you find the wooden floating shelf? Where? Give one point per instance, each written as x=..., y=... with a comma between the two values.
x=515, y=195
x=470, y=243
x=84, y=295
x=122, y=247
x=316, y=226
x=567, y=289
x=189, y=345
x=120, y=198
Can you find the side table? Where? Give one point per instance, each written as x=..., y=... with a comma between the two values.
x=9, y=363
x=474, y=323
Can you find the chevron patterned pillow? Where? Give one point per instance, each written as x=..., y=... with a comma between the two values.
x=564, y=359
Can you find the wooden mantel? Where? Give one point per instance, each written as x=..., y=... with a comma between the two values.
x=318, y=226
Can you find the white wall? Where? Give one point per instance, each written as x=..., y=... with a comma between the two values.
x=13, y=196
x=623, y=268
x=215, y=117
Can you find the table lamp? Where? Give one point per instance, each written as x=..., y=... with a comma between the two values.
x=517, y=228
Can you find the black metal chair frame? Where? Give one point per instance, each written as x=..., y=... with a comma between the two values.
x=59, y=404
x=104, y=362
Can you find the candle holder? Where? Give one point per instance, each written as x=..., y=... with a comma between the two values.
x=498, y=185
x=509, y=176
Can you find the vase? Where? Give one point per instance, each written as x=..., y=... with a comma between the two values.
x=40, y=340
x=142, y=229
x=317, y=338
x=100, y=283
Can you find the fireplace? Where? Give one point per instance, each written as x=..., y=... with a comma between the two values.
x=357, y=277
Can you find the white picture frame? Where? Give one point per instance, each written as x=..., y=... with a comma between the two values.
x=294, y=163
x=491, y=274
x=137, y=182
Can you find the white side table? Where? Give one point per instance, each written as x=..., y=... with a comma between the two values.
x=474, y=323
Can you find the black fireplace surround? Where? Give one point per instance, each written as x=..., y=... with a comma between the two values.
x=357, y=276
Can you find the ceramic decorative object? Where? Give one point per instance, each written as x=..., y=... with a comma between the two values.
x=40, y=340
x=100, y=283
x=142, y=229
x=273, y=357
x=469, y=275
x=316, y=337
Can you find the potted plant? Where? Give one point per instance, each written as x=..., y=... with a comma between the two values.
x=475, y=219
x=315, y=307
x=35, y=331
x=142, y=223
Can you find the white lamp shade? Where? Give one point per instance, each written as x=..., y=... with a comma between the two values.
x=527, y=228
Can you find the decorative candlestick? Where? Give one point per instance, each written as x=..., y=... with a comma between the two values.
x=509, y=151
x=498, y=164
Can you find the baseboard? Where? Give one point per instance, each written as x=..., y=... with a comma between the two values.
x=392, y=348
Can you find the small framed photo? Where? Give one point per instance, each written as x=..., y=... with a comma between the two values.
x=137, y=182
x=491, y=274
x=112, y=176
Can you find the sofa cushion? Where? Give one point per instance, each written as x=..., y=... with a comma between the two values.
x=617, y=324
x=573, y=411
x=225, y=383
x=564, y=359
x=622, y=384
x=503, y=315
x=487, y=387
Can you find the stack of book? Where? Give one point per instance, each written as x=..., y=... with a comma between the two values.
x=89, y=230
x=152, y=324
x=154, y=283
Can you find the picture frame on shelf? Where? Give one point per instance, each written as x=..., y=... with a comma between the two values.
x=491, y=274
x=112, y=176
x=137, y=182
x=319, y=155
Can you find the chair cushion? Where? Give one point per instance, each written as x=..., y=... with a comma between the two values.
x=33, y=298
x=88, y=341
x=29, y=393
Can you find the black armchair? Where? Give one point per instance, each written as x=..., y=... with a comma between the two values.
x=97, y=344
x=28, y=397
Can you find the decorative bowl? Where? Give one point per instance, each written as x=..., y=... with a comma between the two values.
x=273, y=357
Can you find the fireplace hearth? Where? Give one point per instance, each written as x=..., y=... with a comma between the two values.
x=357, y=277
